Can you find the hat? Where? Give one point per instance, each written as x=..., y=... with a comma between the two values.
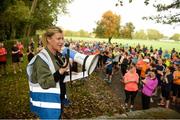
x=146, y=60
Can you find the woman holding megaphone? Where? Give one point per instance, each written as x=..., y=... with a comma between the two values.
x=48, y=71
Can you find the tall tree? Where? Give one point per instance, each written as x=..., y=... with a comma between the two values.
x=127, y=30
x=108, y=26
x=166, y=13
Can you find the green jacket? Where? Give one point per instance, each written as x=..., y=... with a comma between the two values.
x=41, y=73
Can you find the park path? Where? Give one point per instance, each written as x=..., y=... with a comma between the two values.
x=118, y=88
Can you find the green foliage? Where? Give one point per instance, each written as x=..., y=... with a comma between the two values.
x=140, y=35
x=80, y=33
x=176, y=37
x=127, y=30
x=16, y=15
x=46, y=11
x=13, y=15
x=99, y=30
x=20, y=16
x=154, y=34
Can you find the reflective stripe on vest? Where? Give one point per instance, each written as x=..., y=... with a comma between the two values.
x=45, y=103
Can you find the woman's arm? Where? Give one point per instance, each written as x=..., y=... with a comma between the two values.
x=151, y=86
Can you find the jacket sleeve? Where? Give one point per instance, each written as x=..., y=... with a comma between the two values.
x=41, y=74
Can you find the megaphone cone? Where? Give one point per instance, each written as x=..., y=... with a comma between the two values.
x=90, y=61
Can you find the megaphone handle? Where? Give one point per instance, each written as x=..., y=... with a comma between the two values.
x=84, y=63
x=70, y=70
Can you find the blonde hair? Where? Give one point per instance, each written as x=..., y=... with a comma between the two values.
x=50, y=32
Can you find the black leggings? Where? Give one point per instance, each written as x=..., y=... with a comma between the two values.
x=145, y=101
x=131, y=94
x=176, y=90
x=165, y=92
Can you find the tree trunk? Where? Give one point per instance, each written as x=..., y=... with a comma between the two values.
x=29, y=27
x=13, y=32
x=109, y=40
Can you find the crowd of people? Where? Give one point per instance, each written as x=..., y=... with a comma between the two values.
x=144, y=69
x=17, y=54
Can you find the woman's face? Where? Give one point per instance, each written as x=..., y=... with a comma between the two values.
x=133, y=69
x=152, y=74
x=56, y=42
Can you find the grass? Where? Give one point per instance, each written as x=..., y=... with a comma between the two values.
x=14, y=94
x=133, y=42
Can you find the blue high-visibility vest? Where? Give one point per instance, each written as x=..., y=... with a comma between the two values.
x=46, y=103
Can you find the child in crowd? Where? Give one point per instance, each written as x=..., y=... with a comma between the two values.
x=109, y=68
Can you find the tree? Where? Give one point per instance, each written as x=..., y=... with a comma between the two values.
x=166, y=12
x=127, y=30
x=46, y=11
x=176, y=37
x=154, y=34
x=108, y=26
x=17, y=15
x=140, y=35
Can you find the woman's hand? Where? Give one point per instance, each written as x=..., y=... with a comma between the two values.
x=63, y=70
x=143, y=81
x=65, y=67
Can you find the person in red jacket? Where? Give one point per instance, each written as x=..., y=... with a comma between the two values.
x=3, y=59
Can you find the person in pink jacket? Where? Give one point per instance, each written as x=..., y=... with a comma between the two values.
x=131, y=79
x=149, y=85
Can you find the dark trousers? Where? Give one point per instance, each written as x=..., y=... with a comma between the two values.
x=123, y=69
x=130, y=94
x=63, y=89
x=166, y=92
x=145, y=101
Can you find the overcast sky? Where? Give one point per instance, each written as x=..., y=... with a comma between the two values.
x=83, y=14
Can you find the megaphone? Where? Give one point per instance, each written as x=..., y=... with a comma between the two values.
x=89, y=61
